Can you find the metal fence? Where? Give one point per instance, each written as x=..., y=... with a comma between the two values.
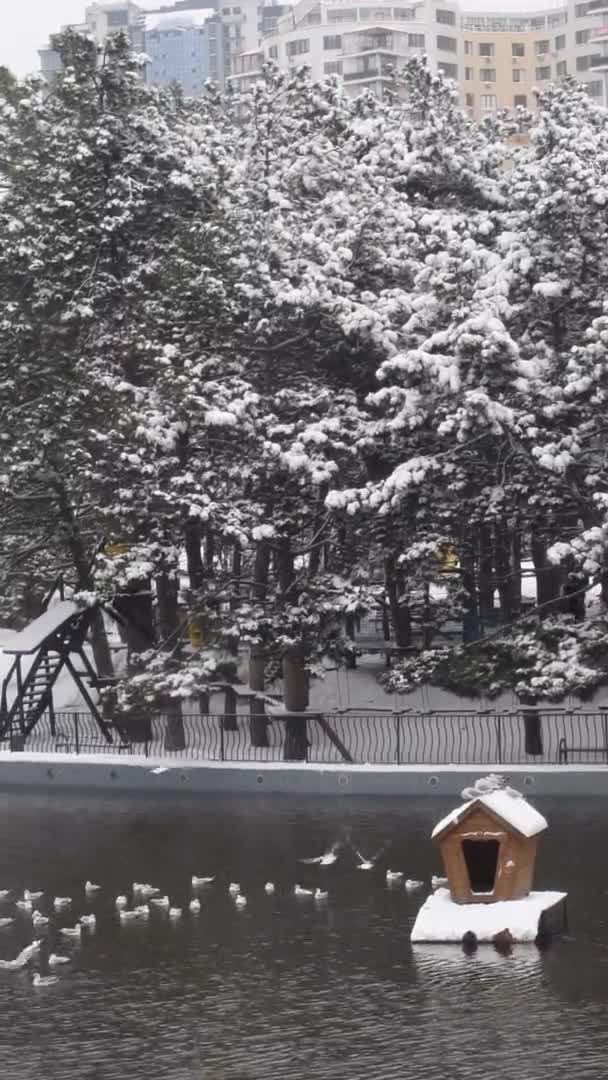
x=534, y=736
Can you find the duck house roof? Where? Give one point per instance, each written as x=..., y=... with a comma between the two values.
x=507, y=804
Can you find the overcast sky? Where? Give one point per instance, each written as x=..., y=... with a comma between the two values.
x=26, y=24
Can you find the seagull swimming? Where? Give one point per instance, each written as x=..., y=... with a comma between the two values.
x=320, y=894
x=55, y=959
x=5, y=893
x=142, y=911
x=89, y=887
x=121, y=902
x=439, y=882
x=328, y=858
x=234, y=888
x=269, y=888
x=39, y=919
x=44, y=980
x=367, y=864
x=21, y=960
x=6, y=922
x=240, y=900
x=196, y=881
x=61, y=902
x=126, y=916
x=175, y=912
x=195, y=906
x=24, y=905
x=300, y=891
x=160, y=901
x=27, y=895
x=88, y=920
x=144, y=890
x=411, y=885
x=71, y=931
x=394, y=875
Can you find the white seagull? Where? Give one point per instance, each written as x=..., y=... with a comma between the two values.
x=320, y=894
x=438, y=882
x=328, y=858
x=55, y=959
x=196, y=881
x=411, y=885
x=88, y=920
x=89, y=887
x=234, y=889
x=367, y=864
x=269, y=888
x=142, y=911
x=5, y=893
x=27, y=895
x=44, y=980
x=299, y=890
x=175, y=912
x=139, y=889
x=121, y=902
x=240, y=900
x=394, y=875
x=160, y=901
x=62, y=902
x=6, y=922
x=127, y=916
x=195, y=906
x=24, y=905
x=22, y=959
x=39, y=919
x=71, y=931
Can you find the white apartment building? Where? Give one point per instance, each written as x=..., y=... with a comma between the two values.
x=496, y=58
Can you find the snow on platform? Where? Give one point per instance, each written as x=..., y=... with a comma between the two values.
x=31, y=638
x=441, y=920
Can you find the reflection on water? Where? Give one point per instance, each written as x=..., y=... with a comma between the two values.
x=286, y=987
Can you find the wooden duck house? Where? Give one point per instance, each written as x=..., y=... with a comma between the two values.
x=488, y=846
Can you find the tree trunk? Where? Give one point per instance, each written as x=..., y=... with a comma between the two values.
x=295, y=680
x=547, y=577
x=470, y=620
x=502, y=562
x=209, y=551
x=486, y=582
x=137, y=626
x=168, y=628
x=258, y=721
x=235, y=590
x=194, y=558
x=516, y=589
x=229, y=719
x=400, y=612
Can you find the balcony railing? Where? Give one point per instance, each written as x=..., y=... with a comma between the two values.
x=599, y=63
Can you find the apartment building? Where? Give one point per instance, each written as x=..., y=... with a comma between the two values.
x=186, y=47
x=497, y=59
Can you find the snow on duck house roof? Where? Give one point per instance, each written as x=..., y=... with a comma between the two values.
x=507, y=804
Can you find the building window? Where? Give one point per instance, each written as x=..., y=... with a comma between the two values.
x=518, y=49
x=487, y=74
x=468, y=48
x=594, y=89
x=415, y=41
x=333, y=67
x=486, y=48
x=403, y=13
x=558, y=19
x=561, y=69
x=488, y=101
x=339, y=15
x=520, y=100
x=560, y=42
x=582, y=36
x=583, y=63
x=446, y=44
x=448, y=18
x=469, y=74
x=469, y=100
x=332, y=41
x=449, y=70
x=117, y=18
x=541, y=47
x=519, y=74
x=273, y=52
x=538, y=22
x=298, y=48
x=542, y=73
x=581, y=10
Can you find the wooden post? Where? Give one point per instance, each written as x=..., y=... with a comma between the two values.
x=258, y=721
x=229, y=719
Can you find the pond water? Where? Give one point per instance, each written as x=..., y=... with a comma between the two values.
x=285, y=987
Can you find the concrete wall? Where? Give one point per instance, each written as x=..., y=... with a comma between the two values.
x=133, y=773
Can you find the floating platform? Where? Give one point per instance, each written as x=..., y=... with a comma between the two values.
x=441, y=920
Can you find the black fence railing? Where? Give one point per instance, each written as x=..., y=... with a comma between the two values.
x=533, y=736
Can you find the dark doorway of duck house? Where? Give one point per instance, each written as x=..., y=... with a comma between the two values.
x=481, y=858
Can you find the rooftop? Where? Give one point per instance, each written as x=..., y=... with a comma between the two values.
x=507, y=804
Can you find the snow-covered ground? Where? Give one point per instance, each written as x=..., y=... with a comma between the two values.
x=440, y=919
